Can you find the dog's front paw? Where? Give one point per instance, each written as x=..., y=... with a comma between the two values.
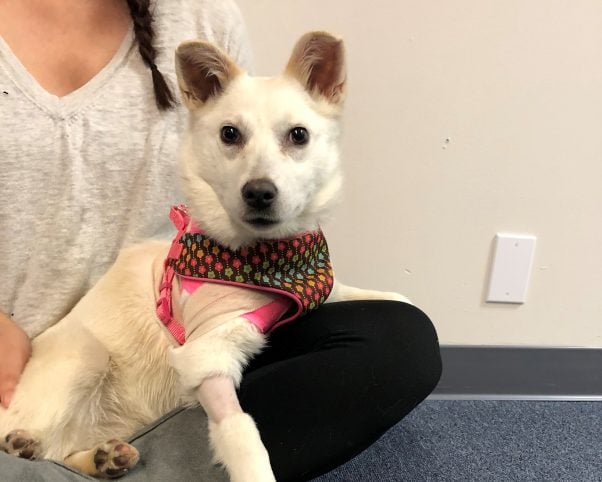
x=22, y=444
x=238, y=447
x=114, y=458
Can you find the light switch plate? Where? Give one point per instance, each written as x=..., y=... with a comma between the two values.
x=511, y=269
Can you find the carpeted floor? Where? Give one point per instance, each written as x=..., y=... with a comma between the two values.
x=485, y=441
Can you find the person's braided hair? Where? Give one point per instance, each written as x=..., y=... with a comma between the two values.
x=143, y=29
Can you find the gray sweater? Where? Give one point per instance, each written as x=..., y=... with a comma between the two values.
x=83, y=175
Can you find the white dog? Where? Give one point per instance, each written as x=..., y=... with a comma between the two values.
x=260, y=163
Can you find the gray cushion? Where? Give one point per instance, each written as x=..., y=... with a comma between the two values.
x=174, y=448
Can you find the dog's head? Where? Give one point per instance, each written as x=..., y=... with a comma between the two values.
x=261, y=156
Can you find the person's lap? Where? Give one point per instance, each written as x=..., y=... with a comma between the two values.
x=311, y=378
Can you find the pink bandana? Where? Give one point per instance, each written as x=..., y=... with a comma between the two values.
x=298, y=268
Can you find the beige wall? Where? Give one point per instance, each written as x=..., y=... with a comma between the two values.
x=516, y=87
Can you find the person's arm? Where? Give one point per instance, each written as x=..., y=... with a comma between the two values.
x=15, y=349
x=236, y=41
x=224, y=23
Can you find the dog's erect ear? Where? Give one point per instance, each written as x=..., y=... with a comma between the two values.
x=318, y=62
x=203, y=71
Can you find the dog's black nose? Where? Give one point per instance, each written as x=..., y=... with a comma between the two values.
x=259, y=193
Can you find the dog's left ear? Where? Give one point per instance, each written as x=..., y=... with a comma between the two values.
x=203, y=71
x=318, y=62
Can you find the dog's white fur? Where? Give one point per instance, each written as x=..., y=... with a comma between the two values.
x=108, y=368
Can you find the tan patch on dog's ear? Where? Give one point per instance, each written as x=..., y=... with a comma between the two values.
x=203, y=71
x=318, y=63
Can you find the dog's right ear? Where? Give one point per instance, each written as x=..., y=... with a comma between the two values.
x=203, y=71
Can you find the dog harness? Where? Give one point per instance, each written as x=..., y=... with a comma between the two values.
x=298, y=269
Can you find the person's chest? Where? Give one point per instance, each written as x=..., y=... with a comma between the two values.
x=64, y=47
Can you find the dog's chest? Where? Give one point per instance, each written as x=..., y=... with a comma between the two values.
x=203, y=306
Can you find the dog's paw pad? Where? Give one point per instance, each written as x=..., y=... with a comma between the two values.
x=115, y=458
x=22, y=444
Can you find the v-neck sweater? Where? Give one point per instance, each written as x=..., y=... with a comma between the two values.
x=83, y=175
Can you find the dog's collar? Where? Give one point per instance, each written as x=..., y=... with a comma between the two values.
x=299, y=268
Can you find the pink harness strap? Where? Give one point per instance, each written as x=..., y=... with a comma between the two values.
x=180, y=217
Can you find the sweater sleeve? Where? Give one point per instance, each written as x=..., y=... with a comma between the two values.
x=224, y=21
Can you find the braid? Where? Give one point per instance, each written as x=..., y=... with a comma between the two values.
x=143, y=28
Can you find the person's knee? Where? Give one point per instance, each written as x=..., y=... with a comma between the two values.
x=413, y=347
x=429, y=355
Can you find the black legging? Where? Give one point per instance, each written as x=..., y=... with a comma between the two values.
x=334, y=381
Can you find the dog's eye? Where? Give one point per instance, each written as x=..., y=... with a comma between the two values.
x=230, y=135
x=299, y=136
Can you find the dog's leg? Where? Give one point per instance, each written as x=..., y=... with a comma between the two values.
x=60, y=381
x=341, y=292
x=233, y=435
x=109, y=460
x=210, y=367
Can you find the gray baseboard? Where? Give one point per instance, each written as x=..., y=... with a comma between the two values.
x=520, y=373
